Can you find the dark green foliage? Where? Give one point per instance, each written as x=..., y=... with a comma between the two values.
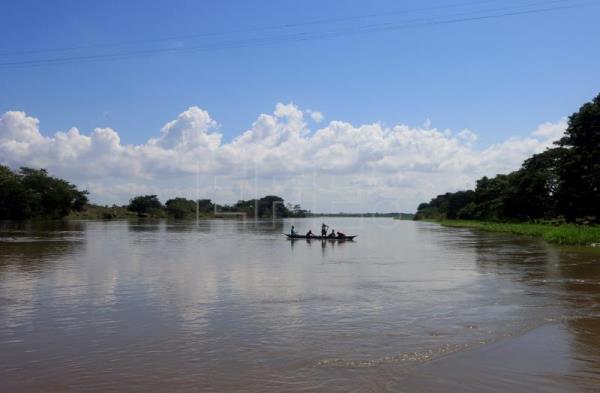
x=144, y=204
x=578, y=193
x=185, y=208
x=14, y=197
x=268, y=206
x=180, y=207
x=457, y=202
x=448, y=205
x=526, y=194
x=493, y=197
x=435, y=209
x=272, y=206
x=205, y=206
x=535, y=186
x=562, y=181
x=32, y=193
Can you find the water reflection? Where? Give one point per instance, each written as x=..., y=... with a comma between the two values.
x=580, y=277
x=565, y=279
x=226, y=305
x=34, y=255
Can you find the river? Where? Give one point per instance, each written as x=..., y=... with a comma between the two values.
x=232, y=306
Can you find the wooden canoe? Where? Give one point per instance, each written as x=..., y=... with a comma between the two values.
x=294, y=237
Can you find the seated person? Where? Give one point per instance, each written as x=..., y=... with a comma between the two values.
x=293, y=231
x=332, y=234
x=341, y=235
x=309, y=233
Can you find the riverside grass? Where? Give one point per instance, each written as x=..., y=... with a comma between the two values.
x=568, y=234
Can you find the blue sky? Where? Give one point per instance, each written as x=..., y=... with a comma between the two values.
x=498, y=77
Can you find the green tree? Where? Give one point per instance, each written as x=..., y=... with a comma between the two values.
x=14, y=197
x=144, y=204
x=579, y=189
x=33, y=193
x=435, y=209
x=50, y=196
x=457, y=201
x=560, y=181
x=268, y=206
x=536, y=185
x=272, y=206
x=180, y=207
x=205, y=206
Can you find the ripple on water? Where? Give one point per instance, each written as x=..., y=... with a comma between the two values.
x=231, y=306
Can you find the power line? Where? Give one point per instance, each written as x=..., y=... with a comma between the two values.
x=298, y=37
x=269, y=40
x=249, y=30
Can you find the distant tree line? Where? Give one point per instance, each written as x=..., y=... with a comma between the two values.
x=32, y=193
x=265, y=207
x=561, y=182
x=29, y=193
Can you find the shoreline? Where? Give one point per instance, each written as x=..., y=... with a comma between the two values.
x=562, y=234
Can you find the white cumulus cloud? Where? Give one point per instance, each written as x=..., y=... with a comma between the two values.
x=339, y=166
x=316, y=116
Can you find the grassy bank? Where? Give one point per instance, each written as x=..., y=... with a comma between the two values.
x=560, y=234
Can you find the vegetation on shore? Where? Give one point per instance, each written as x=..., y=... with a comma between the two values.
x=564, y=233
x=150, y=206
x=32, y=193
x=561, y=184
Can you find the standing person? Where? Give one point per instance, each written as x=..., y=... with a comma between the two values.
x=324, y=229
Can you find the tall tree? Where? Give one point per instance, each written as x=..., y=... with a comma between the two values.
x=579, y=190
x=144, y=204
x=180, y=207
x=33, y=193
x=537, y=183
x=14, y=197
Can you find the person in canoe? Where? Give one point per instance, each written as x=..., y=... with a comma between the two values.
x=332, y=234
x=341, y=235
x=324, y=229
x=309, y=234
x=293, y=231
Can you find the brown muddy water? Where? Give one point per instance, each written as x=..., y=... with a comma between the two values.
x=232, y=306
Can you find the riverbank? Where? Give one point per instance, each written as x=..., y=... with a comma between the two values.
x=568, y=234
x=96, y=212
